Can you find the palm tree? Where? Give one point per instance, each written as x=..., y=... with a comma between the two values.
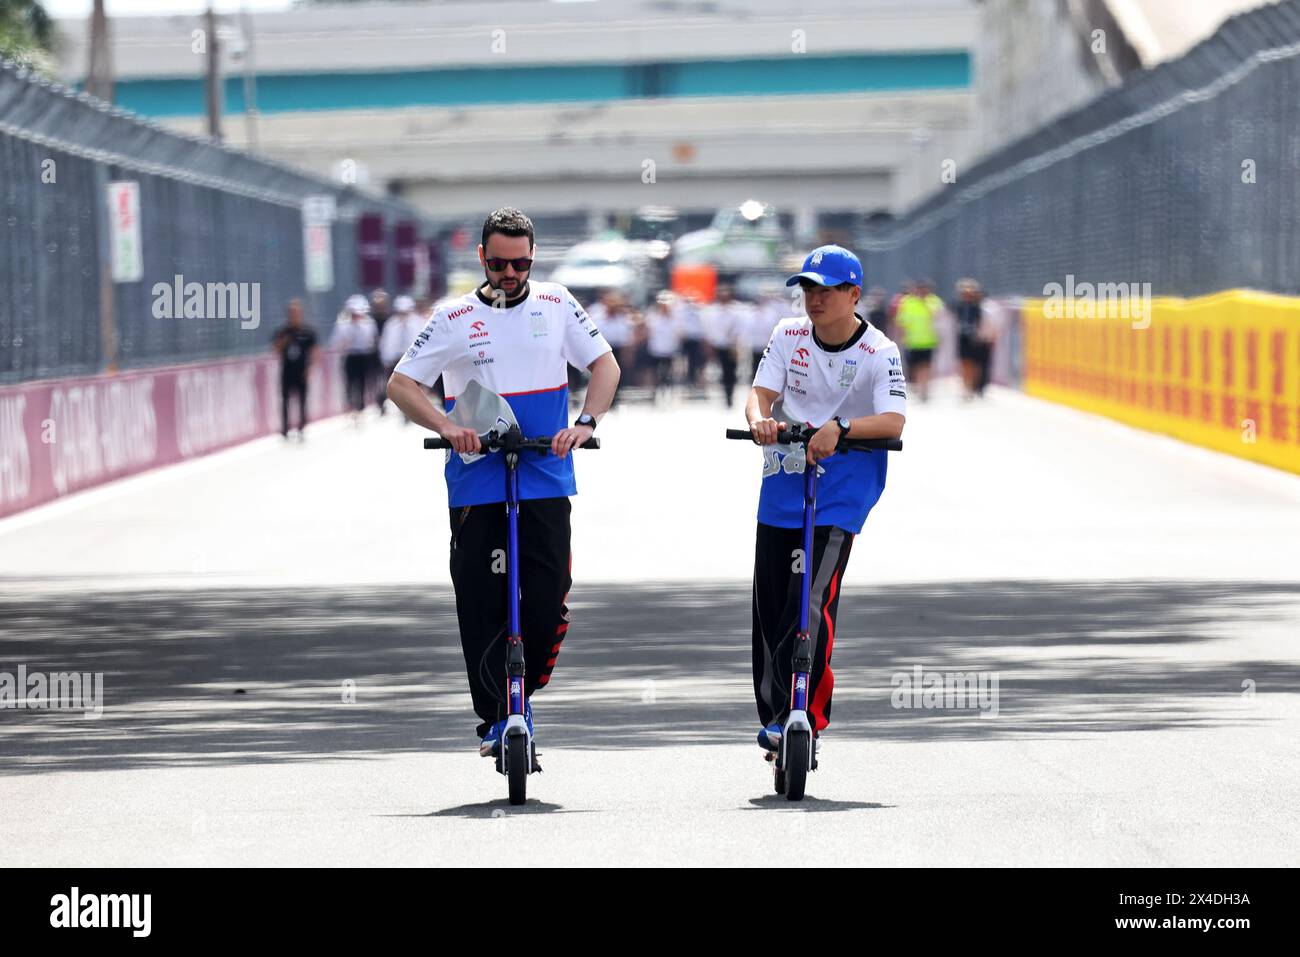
x=26, y=30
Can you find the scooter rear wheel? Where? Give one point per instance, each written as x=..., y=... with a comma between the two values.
x=517, y=759
x=796, y=764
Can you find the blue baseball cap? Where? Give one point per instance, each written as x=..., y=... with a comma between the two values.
x=830, y=266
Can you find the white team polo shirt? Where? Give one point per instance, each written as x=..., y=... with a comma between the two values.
x=816, y=385
x=522, y=353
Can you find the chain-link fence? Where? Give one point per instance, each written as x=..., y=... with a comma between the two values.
x=206, y=215
x=1184, y=178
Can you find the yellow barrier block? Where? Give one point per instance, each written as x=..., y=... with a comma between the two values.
x=1220, y=371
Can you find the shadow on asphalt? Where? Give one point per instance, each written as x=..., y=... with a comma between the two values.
x=498, y=809
x=653, y=665
x=808, y=804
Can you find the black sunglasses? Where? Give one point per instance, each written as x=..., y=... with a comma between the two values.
x=496, y=264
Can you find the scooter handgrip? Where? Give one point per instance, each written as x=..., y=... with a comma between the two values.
x=438, y=443
x=888, y=445
x=590, y=444
x=782, y=436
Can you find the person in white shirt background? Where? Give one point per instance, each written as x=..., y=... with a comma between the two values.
x=399, y=332
x=724, y=322
x=770, y=309
x=690, y=321
x=663, y=325
x=356, y=335
x=617, y=326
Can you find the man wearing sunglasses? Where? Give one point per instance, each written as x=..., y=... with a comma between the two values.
x=834, y=371
x=516, y=338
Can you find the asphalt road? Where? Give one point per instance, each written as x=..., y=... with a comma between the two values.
x=283, y=682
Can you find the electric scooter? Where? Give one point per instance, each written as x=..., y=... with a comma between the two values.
x=517, y=756
x=797, y=753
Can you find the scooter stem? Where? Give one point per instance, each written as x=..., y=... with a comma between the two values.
x=514, y=642
x=809, y=518
x=512, y=545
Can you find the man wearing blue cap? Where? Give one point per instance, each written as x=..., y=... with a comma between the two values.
x=834, y=371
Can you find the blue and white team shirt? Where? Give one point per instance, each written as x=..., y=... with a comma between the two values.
x=522, y=353
x=862, y=377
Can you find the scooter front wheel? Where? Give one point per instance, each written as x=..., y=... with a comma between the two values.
x=797, y=745
x=517, y=768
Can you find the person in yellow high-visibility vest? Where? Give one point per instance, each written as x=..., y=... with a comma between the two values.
x=916, y=318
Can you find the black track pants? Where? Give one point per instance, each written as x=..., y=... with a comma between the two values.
x=478, y=573
x=776, y=616
x=293, y=385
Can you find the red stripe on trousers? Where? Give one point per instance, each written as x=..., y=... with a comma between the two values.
x=827, y=683
x=560, y=630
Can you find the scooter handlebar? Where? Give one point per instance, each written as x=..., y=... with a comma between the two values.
x=801, y=436
x=539, y=444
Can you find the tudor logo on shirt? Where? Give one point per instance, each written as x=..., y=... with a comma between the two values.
x=800, y=358
x=480, y=330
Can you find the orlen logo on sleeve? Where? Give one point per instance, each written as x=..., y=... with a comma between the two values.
x=480, y=330
x=800, y=358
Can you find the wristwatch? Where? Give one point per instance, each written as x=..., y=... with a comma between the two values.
x=844, y=425
x=586, y=419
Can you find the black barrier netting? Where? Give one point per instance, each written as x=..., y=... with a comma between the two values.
x=207, y=213
x=1144, y=184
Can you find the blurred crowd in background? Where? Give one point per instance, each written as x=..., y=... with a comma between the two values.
x=677, y=347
